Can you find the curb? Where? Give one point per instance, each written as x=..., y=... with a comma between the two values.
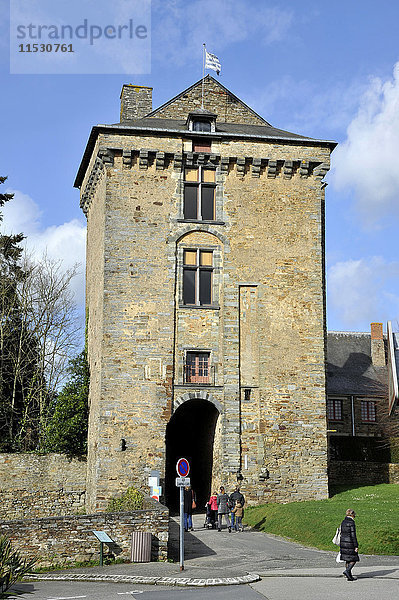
x=172, y=581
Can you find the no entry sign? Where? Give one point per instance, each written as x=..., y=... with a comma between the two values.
x=183, y=467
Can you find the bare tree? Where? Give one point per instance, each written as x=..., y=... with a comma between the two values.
x=49, y=337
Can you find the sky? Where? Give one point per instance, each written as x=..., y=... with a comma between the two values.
x=323, y=70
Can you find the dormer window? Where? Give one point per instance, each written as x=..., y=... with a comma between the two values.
x=201, y=121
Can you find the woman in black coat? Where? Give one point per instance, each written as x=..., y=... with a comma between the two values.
x=348, y=543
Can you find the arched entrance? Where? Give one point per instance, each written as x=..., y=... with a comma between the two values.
x=190, y=434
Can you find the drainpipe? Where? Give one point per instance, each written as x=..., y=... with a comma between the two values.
x=353, y=415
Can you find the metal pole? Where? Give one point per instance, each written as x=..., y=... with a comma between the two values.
x=101, y=554
x=203, y=75
x=181, y=528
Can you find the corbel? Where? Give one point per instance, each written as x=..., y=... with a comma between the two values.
x=272, y=169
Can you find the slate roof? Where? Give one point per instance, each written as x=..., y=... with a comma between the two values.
x=150, y=123
x=350, y=370
x=180, y=126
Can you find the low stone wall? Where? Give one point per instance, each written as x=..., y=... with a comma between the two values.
x=40, y=486
x=394, y=473
x=63, y=540
x=341, y=472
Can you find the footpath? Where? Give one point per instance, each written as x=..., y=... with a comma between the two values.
x=273, y=566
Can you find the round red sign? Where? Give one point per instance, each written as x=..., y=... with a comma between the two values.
x=183, y=467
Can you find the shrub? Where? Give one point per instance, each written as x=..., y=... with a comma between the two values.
x=132, y=499
x=12, y=565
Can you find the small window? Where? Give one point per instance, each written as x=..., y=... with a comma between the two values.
x=197, y=367
x=202, y=146
x=201, y=125
x=334, y=409
x=368, y=411
x=197, y=277
x=199, y=194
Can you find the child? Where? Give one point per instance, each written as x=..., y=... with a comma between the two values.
x=212, y=507
x=238, y=512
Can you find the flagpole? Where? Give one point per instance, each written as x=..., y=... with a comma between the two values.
x=203, y=75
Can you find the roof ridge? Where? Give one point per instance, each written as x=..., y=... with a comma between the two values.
x=150, y=114
x=349, y=332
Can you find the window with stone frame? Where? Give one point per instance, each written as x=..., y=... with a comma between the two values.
x=368, y=411
x=199, y=194
x=197, y=367
x=197, y=277
x=334, y=409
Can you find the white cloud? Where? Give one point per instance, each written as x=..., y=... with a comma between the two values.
x=302, y=106
x=65, y=242
x=182, y=27
x=367, y=161
x=359, y=291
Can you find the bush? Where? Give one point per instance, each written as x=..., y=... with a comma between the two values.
x=132, y=499
x=12, y=566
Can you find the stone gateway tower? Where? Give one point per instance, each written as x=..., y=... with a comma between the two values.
x=205, y=299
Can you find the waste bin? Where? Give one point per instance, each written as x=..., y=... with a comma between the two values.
x=141, y=546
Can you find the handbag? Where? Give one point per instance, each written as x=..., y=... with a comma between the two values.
x=193, y=504
x=337, y=537
x=338, y=558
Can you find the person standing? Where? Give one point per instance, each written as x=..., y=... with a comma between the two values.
x=234, y=497
x=238, y=512
x=213, y=509
x=348, y=543
x=222, y=501
x=189, y=502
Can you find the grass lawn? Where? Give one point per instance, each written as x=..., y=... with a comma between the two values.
x=313, y=523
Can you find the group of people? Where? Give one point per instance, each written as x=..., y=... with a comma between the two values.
x=231, y=507
x=218, y=505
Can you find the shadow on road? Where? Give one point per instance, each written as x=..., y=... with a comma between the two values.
x=372, y=574
x=193, y=547
x=18, y=589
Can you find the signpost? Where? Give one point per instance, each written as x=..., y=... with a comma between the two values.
x=183, y=469
x=103, y=538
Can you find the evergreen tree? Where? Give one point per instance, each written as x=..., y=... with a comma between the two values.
x=11, y=274
x=67, y=430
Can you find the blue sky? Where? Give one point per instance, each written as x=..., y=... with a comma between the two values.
x=326, y=70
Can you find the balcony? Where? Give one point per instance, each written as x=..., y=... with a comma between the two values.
x=197, y=370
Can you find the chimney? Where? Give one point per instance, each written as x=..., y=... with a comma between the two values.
x=136, y=102
x=377, y=345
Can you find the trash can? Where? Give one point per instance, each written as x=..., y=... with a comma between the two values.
x=141, y=546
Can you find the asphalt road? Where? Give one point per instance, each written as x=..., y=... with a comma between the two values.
x=289, y=571
x=50, y=590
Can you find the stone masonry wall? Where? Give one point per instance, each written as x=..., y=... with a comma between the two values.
x=38, y=486
x=271, y=232
x=63, y=540
x=227, y=107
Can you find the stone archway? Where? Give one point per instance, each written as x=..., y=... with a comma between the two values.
x=190, y=434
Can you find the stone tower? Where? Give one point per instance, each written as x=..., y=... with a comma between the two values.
x=205, y=299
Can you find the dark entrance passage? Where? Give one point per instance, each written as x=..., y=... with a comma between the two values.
x=190, y=434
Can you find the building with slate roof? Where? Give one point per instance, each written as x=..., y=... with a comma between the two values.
x=360, y=420
x=206, y=301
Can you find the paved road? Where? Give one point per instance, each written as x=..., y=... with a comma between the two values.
x=46, y=590
x=289, y=571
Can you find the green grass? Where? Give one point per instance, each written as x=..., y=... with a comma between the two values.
x=313, y=523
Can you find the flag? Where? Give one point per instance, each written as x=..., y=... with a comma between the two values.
x=212, y=62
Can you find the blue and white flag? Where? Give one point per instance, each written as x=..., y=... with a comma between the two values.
x=212, y=62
